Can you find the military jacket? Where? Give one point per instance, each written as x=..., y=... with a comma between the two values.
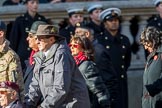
x=67, y=32
x=98, y=29
x=119, y=49
x=120, y=54
x=18, y=35
x=156, y=22
x=10, y=66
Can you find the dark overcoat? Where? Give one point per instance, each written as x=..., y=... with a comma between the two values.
x=28, y=75
x=120, y=53
x=67, y=32
x=98, y=29
x=99, y=94
x=106, y=70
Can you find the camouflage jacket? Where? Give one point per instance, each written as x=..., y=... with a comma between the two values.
x=10, y=66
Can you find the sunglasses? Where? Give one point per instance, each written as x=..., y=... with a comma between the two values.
x=74, y=45
x=3, y=92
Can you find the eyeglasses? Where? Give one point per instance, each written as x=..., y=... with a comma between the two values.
x=74, y=45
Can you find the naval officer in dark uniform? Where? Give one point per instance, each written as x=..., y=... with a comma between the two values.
x=22, y=24
x=119, y=48
x=156, y=20
x=75, y=16
x=95, y=23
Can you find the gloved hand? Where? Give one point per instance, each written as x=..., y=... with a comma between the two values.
x=104, y=101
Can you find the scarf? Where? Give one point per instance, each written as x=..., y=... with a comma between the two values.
x=31, y=59
x=80, y=58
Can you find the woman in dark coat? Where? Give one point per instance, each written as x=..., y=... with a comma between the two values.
x=82, y=52
x=151, y=38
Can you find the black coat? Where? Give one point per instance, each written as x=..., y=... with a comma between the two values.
x=106, y=70
x=156, y=21
x=67, y=32
x=98, y=29
x=28, y=75
x=18, y=35
x=99, y=94
x=120, y=53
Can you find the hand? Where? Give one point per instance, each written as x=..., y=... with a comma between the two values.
x=104, y=102
x=147, y=95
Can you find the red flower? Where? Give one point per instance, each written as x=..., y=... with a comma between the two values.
x=155, y=57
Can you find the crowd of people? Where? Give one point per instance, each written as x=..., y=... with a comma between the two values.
x=77, y=66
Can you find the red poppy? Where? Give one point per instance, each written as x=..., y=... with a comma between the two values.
x=155, y=57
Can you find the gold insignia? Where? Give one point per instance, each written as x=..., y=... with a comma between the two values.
x=52, y=30
x=78, y=24
x=112, y=13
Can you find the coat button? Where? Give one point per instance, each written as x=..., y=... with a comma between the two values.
x=28, y=49
x=121, y=37
x=39, y=18
x=26, y=29
x=122, y=76
x=106, y=38
x=155, y=18
x=122, y=66
x=123, y=46
x=159, y=24
x=107, y=47
x=123, y=57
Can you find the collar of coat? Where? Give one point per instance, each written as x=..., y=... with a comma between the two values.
x=39, y=57
x=152, y=54
x=27, y=16
x=5, y=46
x=118, y=37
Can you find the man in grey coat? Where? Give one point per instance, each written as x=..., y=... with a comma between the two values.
x=56, y=77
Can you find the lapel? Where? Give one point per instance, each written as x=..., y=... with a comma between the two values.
x=28, y=71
